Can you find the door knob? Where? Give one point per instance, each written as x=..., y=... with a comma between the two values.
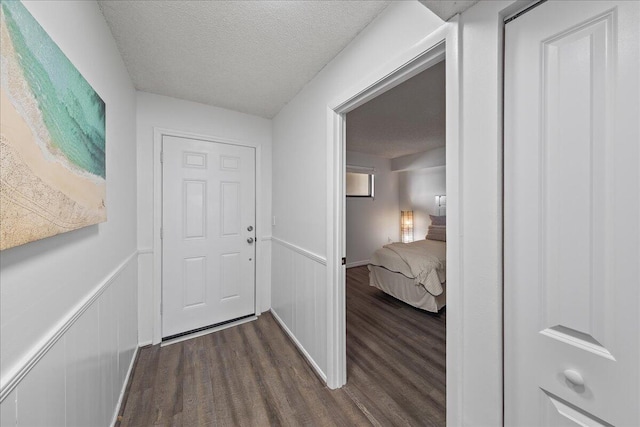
x=250, y=228
x=574, y=377
x=250, y=240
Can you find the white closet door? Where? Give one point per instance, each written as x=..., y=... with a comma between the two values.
x=572, y=215
x=208, y=259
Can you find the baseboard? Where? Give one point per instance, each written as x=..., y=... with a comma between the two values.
x=357, y=263
x=302, y=350
x=124, y=386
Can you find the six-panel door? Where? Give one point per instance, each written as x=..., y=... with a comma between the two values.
x=208, y=231
x=572, y=215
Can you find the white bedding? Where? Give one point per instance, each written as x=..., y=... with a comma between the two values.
x=404, y=289
x=424, y=261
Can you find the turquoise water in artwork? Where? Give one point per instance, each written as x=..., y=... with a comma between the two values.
x=72, y=111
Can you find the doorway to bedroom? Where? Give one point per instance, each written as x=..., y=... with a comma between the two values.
x=395, y=233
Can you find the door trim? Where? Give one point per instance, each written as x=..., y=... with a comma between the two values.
x=158, y=134
x=442, y=43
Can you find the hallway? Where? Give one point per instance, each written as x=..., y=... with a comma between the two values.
x=253, y=375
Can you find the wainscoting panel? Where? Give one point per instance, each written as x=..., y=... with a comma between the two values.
x=108, y=356
x=320, y=319
x=299, y=299
x=282, y=287
x=126, y=306
x=41, y=394
x=79, y=380
x=82, y=356
x=146, y=310
x=8, y=416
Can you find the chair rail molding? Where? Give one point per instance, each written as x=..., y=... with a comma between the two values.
x=312, y=256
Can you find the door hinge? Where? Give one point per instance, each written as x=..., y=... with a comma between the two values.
x=161, y=233
x=344, y=260
x=162, y=157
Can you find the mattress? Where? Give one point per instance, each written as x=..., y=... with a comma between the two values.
x=405, y=289
x=390, y=260
x=389, y=272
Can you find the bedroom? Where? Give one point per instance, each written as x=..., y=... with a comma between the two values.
x=396, y=192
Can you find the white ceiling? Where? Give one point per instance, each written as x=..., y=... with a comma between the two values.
x=408, y=119
x=248, y=56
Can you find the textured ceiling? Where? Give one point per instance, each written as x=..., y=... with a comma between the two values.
x=248, y=56
x=407, y=119
x=446, y=9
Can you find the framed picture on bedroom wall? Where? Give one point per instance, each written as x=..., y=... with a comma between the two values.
x=52, y=136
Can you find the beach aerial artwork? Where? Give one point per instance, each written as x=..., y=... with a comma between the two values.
x=52, y=136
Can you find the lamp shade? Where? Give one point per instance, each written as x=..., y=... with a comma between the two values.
x=406, y=226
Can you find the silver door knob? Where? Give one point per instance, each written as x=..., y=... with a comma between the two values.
x=574, y=377
x=250, y=240
x=250, y=228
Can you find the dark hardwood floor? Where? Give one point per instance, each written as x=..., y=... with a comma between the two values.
x=395, y=356
x=252, y=375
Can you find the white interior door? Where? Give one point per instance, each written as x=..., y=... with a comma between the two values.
x=572, y=217
x=208, y=249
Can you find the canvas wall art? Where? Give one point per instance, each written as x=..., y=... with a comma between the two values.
x=52, y=136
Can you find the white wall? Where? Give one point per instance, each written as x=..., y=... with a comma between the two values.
x=421, y=177
x=425, y=159
x=175, y=114
x=300, y=170
x=371, y=223
x=417, y=189
x=44, y=283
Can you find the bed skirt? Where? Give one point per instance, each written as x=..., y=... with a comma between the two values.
x=401, y=287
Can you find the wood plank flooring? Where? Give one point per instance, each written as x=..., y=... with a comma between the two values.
x=395, y=356
x=252, y=375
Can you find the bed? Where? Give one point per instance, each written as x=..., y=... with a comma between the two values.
x=412, y=272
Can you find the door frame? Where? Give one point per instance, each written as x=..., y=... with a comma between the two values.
x=158, y=134
x=442, y=43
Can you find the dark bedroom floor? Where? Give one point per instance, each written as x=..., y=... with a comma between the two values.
x=253, y=375
x=396, y=356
